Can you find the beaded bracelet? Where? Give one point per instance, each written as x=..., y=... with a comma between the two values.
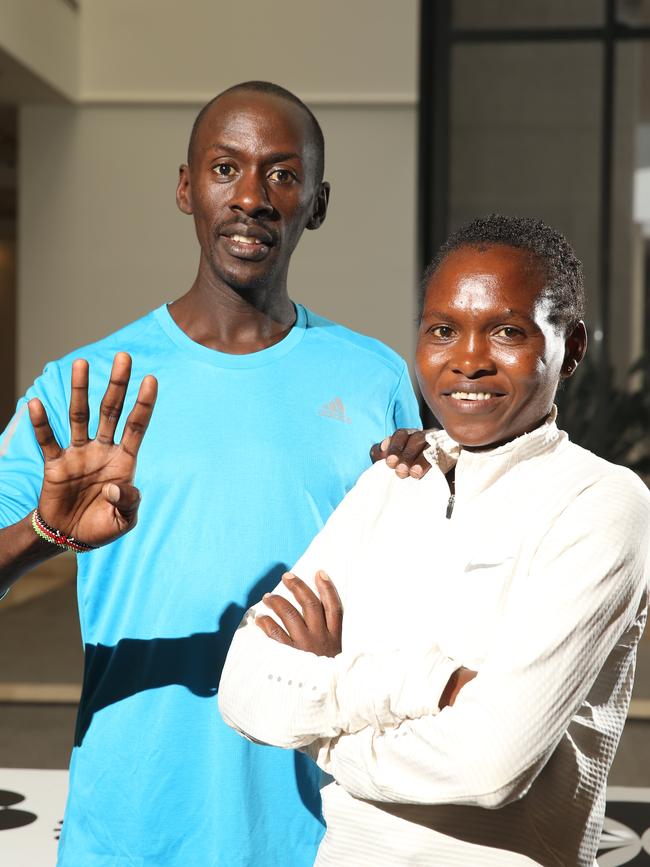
x=56, y=537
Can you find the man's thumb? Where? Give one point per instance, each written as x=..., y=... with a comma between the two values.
x=125, y=498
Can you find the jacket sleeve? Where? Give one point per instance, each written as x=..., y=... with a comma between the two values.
x=279, y=695
x=580, y=609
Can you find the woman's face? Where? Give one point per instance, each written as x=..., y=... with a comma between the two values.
x=488, y=359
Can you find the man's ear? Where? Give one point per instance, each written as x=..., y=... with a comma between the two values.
x=184, y=190
x=320, y=206
x=575, y=347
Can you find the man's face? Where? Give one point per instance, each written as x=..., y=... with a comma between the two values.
x=488, y=360
x=252, y=188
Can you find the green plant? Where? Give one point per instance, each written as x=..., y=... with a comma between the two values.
x=608, y=417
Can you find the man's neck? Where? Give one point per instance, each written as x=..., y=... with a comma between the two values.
x=227, y=320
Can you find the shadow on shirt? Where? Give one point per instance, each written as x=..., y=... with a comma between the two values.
x=134, y=665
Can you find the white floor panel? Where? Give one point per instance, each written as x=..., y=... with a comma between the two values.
x=32, y=803
x=31, y=812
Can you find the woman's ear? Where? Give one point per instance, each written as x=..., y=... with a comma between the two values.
x=575, y=347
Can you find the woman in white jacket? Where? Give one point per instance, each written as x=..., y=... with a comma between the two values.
x=469, y=702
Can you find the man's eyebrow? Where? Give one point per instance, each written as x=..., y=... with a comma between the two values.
x=272, y=157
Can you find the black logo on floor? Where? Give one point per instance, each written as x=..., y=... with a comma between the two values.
x=626, y=832
x=10, y=818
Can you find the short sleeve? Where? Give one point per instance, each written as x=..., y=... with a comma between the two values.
x=403, y=410
x=21, y=461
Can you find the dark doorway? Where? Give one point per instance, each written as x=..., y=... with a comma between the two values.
x=542, y=108
x=8, y=183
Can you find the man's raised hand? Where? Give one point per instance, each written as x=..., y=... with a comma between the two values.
x=88, y=490
x=318, y=629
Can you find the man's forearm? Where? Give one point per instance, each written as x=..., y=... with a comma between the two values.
x=21, y=550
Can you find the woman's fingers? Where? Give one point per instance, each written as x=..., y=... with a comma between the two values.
x=318, y=628
x=289, y=615
x=332, y=605
x=272, y=629
x=312, y=608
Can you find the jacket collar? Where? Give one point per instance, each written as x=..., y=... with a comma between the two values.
x=445, y=453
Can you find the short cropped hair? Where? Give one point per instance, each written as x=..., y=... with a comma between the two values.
x=563, y=270
x=317, y=137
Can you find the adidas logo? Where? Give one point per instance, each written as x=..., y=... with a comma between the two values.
x=334, y=409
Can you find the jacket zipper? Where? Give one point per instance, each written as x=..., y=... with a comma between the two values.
x=450, y=506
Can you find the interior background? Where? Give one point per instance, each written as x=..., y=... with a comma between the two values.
x=96, y=102
x=106, y=95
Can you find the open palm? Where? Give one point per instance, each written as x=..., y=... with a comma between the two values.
x=88, y=487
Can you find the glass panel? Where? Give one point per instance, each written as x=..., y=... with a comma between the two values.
x=494, y=14
x=633, y=13
x=630, y=283
x=525, y=139
x=630, y=289
x=8, y=174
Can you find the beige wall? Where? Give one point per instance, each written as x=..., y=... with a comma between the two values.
x=100, y=239
x=7, y=315
x=43, y=37
x=161, y=50
x=360, y=267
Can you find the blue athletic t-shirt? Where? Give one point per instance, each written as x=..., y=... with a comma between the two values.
x=245, y=459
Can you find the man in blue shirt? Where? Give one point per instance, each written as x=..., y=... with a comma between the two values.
x=263, y=421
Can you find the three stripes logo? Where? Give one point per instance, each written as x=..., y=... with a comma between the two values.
x=334, y=409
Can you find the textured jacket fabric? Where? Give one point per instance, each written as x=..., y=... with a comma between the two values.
x=538, y=581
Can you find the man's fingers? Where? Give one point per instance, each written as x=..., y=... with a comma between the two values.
x=42, y=430
x=140, y=416
x=404, y=452
x=289, y=615
x=411, y=460
x=396, y=445
x=332, y=605
x=272, y=629
x=125, y=498
x=419, y=467
x=113, y=400
x=79, y=403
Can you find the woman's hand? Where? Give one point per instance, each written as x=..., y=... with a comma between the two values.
x=318, y=628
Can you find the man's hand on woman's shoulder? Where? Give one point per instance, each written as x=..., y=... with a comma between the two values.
x=403, y=451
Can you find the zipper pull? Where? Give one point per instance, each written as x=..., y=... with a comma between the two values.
x=450, y=505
